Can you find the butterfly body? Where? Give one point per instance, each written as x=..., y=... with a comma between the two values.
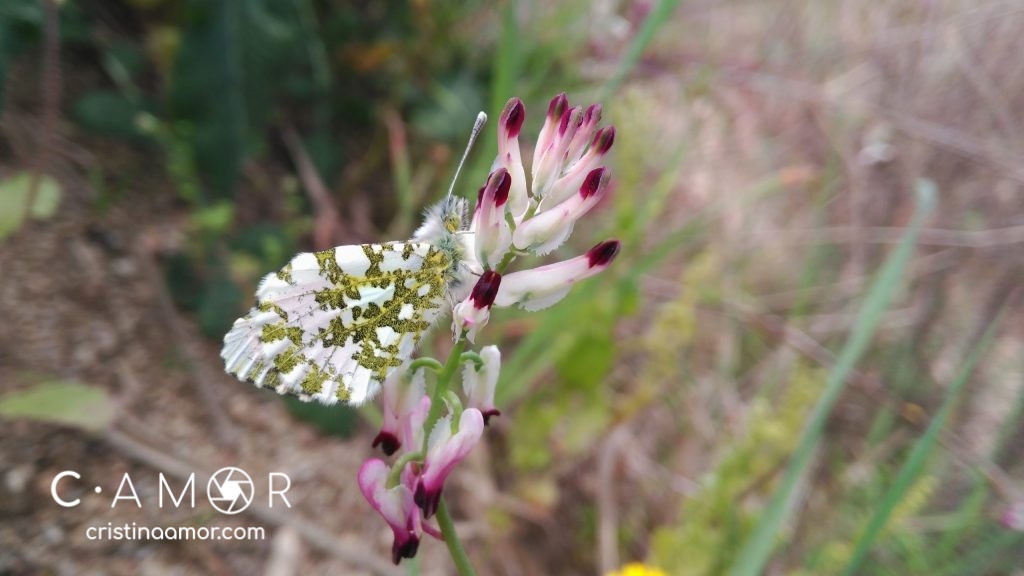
x=331, y=325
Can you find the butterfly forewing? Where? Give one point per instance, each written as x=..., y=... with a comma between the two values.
x=331, y=325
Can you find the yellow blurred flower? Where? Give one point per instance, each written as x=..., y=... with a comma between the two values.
x=638, y=569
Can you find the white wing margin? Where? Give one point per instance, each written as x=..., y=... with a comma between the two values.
x=331, y=325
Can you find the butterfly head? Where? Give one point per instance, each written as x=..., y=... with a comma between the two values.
x=442, y=221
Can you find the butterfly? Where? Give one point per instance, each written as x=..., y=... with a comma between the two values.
x=331, y=325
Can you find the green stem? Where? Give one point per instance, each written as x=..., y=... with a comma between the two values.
x=396, y=469
x=444, y=380
x=444, y=520
x=424, y=362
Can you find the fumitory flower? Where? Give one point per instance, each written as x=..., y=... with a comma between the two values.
x=445, y=449
x=541, y=287
x=401, y=395
x=512, y=218
x=394, y=504
x=473, y=312
x=479, y=382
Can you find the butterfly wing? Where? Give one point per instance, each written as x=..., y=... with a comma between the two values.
x=331, y=325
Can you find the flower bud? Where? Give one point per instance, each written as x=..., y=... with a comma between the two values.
x=472, y=314
x=509, y=157
x=479, y=383
x=493, y=234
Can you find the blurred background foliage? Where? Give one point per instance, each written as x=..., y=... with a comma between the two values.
x=806, y=359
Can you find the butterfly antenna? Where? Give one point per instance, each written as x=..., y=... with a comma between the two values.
x=481, y=119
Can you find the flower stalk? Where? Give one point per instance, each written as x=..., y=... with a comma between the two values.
x=430, y=429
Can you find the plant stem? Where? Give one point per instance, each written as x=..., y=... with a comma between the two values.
x=444, y=520
x=444, y=380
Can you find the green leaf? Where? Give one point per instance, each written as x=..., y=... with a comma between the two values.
x=14, y=193
x=60, y=402
x=758, y=547
x=915, y=462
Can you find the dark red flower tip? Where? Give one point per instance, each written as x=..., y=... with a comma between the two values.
x=603, y=253
x=504, y=185
x=559, y=104
x=488, y=413
x=593, y=114
x=405, y=549
x=388, y=442
x=427, y=501
x=486, y=289
x=594, y=181
x=563, y=124
x=513, y=116
x=604, y=139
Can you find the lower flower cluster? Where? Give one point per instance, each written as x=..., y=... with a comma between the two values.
x=407, y=494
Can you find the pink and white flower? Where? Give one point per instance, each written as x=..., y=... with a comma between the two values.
x=541, y=287
x=472, y=313
x=493, y=234
x=445, y=450
x=479, y=384
x=401, y=396
x=549, y=229
x=395, y=505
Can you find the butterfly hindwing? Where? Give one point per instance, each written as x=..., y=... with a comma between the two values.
x=331, y=325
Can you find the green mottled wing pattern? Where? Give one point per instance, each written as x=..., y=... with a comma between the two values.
x=331, y=325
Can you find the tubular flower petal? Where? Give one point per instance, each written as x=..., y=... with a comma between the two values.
x=551, y=228
x=570, y=179
x=471, y=314
x=412, y=424
x=541, y=287
x=493, y=234
x=395, y=505
x=509, y=157
x=552, y=162
x=401, y=396
x=588, y=123
x=544, y=154
x=479, y=385
x=444, y=451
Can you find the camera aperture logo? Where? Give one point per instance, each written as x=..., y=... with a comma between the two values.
x=230, y=490
x=235, y=487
